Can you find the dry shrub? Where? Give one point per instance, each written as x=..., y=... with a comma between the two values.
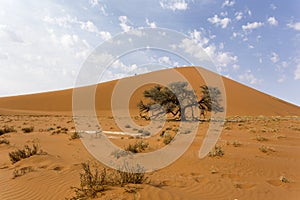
x=28, y=129
x=7, y=129
x=94, y=182
x=91, y=182
x=217, y=151
x=26, y=152
x=131, y=174
x=21, y=171
x=167, y=138
x=4, y=141
x=266, y=149
x=75, y=135
x=137, y=147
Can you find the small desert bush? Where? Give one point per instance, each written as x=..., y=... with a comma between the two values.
x=140, y=130
x=28, y=129
x=127, y=126
x=137, y=147
x=131, y=174
x=167, y=138
x=146, y=133
x=7, y=129
x=216, y=151
x=261, y=138
x=22, y=171
x=266, y=149
x=26, y=152
x=93, y=182
x=75, y=135
x=4, y=141
x=236, y=143
x=119, y=153
x=283, y=179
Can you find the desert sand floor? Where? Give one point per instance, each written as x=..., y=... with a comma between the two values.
x=261, y=161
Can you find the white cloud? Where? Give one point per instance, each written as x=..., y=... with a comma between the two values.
x=252, y=25
x=273, y=7
x=9, y=34
x=199, y=43
x=123, y=23
x=91, y=27
x=281, y=79
x=94, y=3
x=218, y=21
x=67, y=22
x=150, y=24
x=64, y=21
x=68, y=41
x=198, y=37
x=248, y=11
x=165, y=60
x=297, y=73
x=3, y=56
x=238, y=16
x=174, y=4
x=248, y=77
x=295, y=26
x=274, y=57
x=228, y=3
x=225, y=58
x=272, y=21
x=235, y=66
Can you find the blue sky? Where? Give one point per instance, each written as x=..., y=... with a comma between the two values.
x=44, y=43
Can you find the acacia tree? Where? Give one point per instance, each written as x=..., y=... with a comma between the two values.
x=210, y=100
x=176, y=98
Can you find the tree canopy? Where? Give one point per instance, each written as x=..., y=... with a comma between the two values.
x=176, y=98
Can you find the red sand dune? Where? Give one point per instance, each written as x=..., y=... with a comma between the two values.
x=241, y=100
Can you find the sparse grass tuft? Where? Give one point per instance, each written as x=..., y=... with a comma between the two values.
x=261, y=138
x=283, y=179
x=266, y=149
x=26, y=152
x=4, y=141
x=91, y=183
x=7, y=129
x=236, y=143
x=167, y=138
x=75, y=135
x=131, y=174
x=127, y=126
x=137, y=147
x=217, y=151
x=94, y=182
x=28, y=129
x=22, y=171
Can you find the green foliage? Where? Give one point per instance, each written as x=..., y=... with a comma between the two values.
x=176, y=98
x=210, y=100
